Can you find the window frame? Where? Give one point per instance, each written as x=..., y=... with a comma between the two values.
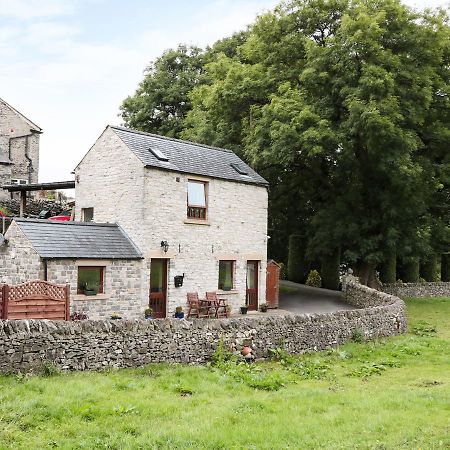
x=197, y=212
x=101, y=289
x=233, y=274
x=83, y=214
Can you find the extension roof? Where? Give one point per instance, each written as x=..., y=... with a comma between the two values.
x=78, y=240
x=187, y=157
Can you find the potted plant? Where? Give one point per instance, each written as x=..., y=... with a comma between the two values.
x=263, y=307
x=90, y=290
x=148, y=313
x=116, y=316
x=179, y=314
x=244, y=309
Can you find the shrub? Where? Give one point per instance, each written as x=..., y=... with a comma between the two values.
x=330, y=270
x=283, y=274
x=357, y=335
x=78, y=316
x=314, y=279
x=296, y=270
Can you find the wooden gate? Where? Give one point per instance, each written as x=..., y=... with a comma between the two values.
x=35, y=300
x=272, y=284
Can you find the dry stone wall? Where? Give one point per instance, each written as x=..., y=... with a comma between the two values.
x=404, y=290
x=93, y=345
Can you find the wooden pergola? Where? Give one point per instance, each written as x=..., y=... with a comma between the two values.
x=24, y=188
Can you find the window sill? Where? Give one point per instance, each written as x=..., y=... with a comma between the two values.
x=231, y=292
x=91, y=297
x=197, y=222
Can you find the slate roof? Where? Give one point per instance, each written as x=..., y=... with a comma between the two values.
x=187, y=157
x=81, y=240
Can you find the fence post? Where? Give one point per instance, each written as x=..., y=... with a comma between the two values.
x=5, y=301
x=67, y=291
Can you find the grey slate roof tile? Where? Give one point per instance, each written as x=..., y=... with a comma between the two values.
x=78, y=240
x=187, y=157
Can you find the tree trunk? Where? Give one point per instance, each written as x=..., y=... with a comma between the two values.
x=365, y=271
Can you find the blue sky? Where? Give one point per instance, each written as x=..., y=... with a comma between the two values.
x=68, y=64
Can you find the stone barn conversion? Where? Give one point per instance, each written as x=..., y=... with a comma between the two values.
x=197, y=213
x=19, y=148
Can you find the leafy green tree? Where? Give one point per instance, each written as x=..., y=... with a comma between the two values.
x=345, y=118
x=161, y=102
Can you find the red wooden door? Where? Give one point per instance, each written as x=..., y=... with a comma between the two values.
x=252, y=285
x=272, y=284
x=158, y=287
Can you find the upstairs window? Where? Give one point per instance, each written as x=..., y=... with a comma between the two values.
x=87, y=214
x=91, y=280
x=196, y=200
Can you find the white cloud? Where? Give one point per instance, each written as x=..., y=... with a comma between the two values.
x=31, y=9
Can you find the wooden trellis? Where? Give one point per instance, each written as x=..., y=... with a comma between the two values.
x=35, y=300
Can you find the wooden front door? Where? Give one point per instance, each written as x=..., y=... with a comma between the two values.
x=252, y=285
x=158, y=287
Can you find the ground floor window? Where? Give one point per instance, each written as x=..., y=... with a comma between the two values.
x=226, y=275
x=91, y=280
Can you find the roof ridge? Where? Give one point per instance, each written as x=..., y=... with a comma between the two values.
x=30, y=122
x=65, y=222
x=158, y=136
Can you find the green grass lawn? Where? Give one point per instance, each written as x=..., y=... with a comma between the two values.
x=389, y=394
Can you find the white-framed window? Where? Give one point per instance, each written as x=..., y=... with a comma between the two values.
x=87, y=214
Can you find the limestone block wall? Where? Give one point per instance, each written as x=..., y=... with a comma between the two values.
x=122, y=287
x=19, y=262
x=426, y=289
x=91, y=345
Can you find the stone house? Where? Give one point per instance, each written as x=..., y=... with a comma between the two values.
x=95, y=259
x=197, y=213
x=19, y=148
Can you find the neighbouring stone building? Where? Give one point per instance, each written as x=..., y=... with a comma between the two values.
x=19, y=148
x=196, y=212
x=97, y=261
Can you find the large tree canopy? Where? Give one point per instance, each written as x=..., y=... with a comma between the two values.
x=344, y=107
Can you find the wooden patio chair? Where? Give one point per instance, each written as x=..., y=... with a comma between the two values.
x=197, y=307
x=220, y=304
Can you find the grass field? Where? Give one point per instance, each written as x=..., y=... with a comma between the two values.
x=389, y=394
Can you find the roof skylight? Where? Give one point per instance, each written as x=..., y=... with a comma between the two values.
x=239, y=169
x=158, y=154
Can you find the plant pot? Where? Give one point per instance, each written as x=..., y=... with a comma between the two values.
x=244, y=309
x=148, y=317
x=179, y=315
x=90, y=292
x=246, y=350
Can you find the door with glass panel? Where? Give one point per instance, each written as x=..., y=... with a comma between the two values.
x=158, y=287
x=252, y=285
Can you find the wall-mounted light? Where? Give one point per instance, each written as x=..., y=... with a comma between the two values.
x=165, y=246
